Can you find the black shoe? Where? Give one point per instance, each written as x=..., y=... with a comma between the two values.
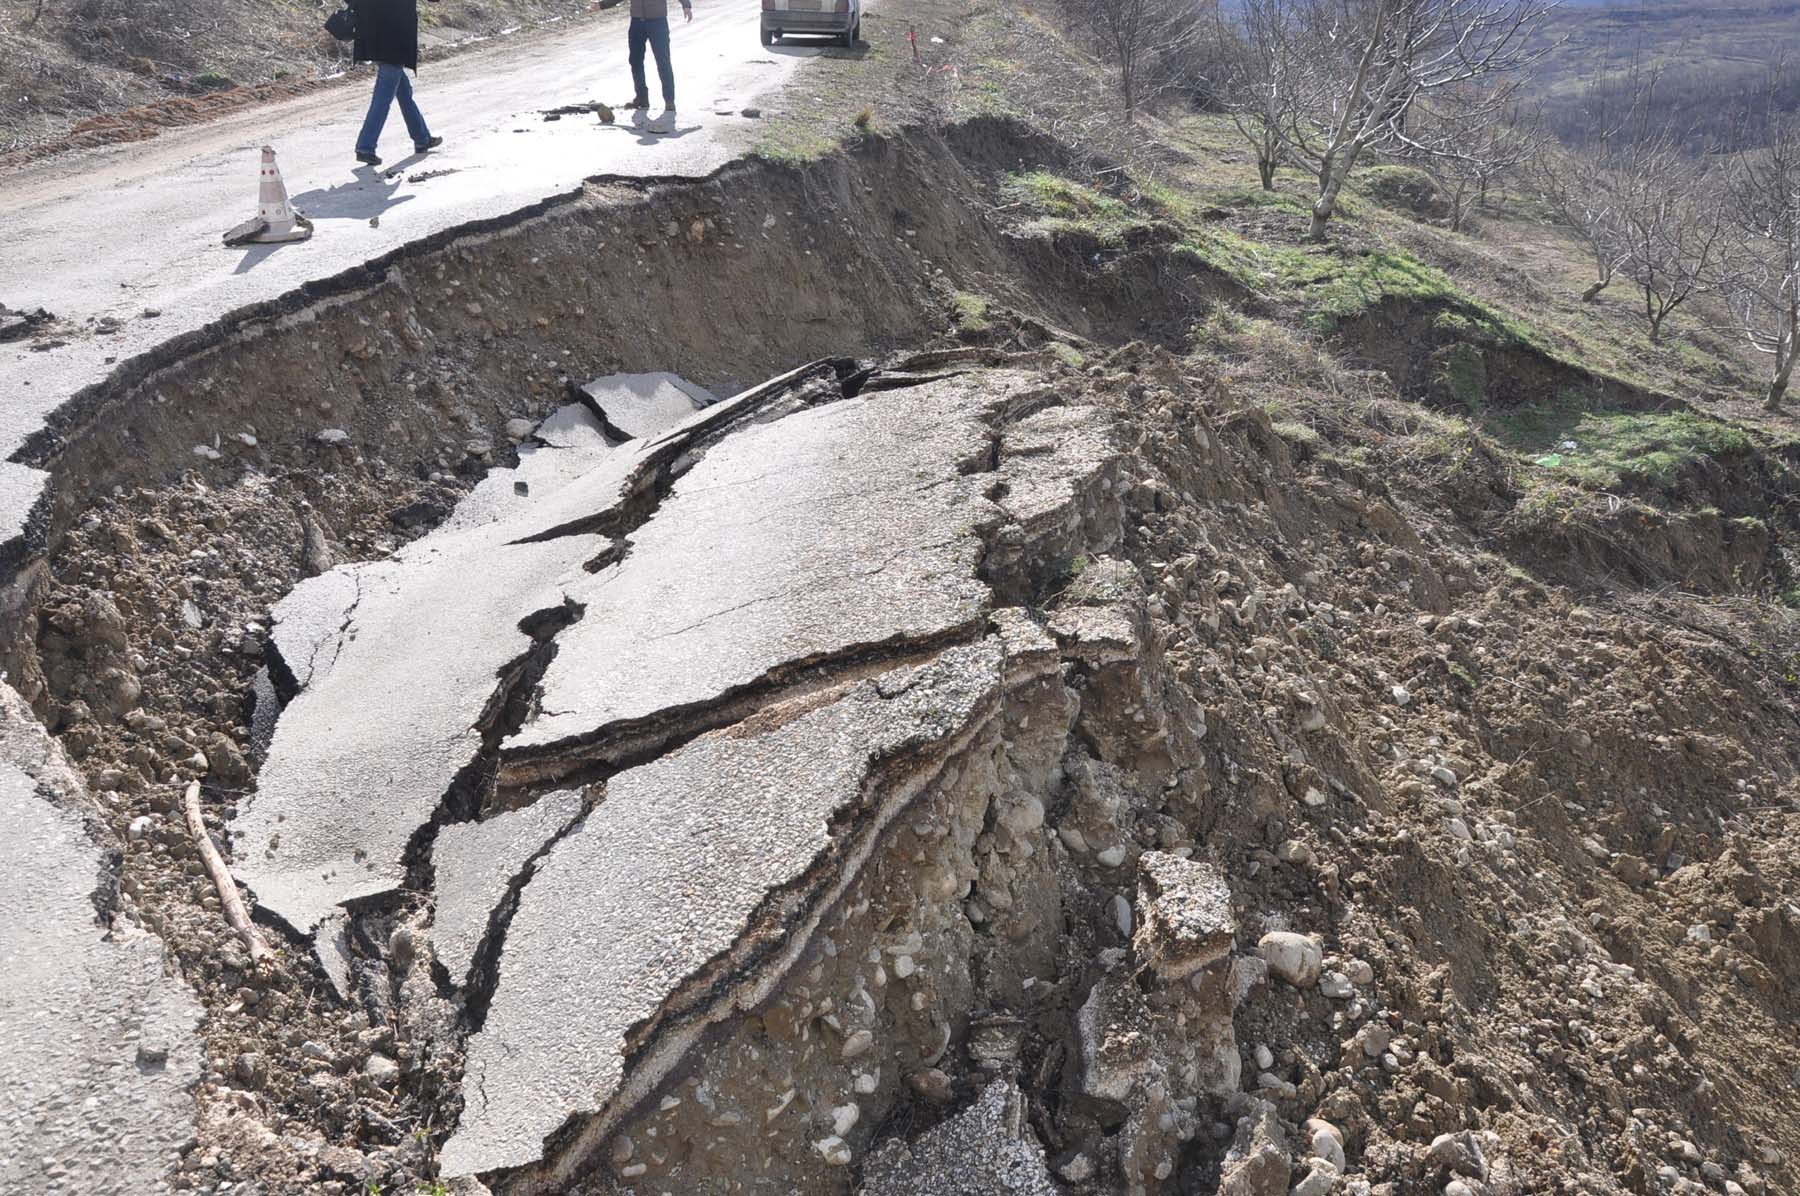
x=428, y=146
x=640, y=102
x=368, y=159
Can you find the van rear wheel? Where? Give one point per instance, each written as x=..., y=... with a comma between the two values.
x=850, y=36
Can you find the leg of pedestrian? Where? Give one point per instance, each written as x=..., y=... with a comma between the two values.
x=665, y=71
x=665, y=68
x=415, y=120
x=387, y=81
x=636, y=38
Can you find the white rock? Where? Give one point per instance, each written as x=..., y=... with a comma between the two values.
x=1122, y=914
x=1360, y=972
x=1112, y=857
x=833, y=1150
x=1374, y=1039
x=1319, y=1181
x=332, y=436
x=1077, y=1169
x=1337, y=986
x=1265, y=1058
x=519, y=429
x=1295, y=958
x=857, y=1044
x=844, y=1117
x=1327, y=1144
x=1401, y=695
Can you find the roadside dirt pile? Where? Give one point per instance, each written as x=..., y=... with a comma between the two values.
x=985, y=758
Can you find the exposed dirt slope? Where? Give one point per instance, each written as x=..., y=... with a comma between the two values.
x=1538, y=818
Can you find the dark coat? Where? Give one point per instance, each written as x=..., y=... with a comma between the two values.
x=387, y=31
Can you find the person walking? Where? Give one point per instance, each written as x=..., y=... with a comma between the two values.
x=650, y=26
x=387, y=34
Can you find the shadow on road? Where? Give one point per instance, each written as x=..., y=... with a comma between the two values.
x=253, y=257
x=823, y=46
x=371, y=193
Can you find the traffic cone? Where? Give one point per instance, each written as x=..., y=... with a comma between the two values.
x=276, y=221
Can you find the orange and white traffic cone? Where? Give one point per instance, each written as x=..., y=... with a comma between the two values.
x=276, y=221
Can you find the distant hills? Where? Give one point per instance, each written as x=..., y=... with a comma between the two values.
x=1714, y=55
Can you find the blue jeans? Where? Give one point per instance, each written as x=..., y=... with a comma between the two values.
x=655, y=32
x=391, y=83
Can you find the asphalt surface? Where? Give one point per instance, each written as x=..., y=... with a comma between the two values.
x=122, y=232
x=475, y=862
x=838, y=528
x=98, y=1043
x=610, y=926
x=832, y=530
x=638, y=405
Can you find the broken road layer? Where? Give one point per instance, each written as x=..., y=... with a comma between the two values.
x=98, y=1050
x=821, y=537
x=774, y=552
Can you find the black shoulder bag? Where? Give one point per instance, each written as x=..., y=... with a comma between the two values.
x=342, y=24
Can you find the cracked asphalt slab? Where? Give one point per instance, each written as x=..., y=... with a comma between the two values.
x=813, y=560
x=611, y=927
x=98, y=1044
x=639, y=405
x=843, y=527
x=474, y=864
x=832, y=530
x=122, y=244
x=366, y=754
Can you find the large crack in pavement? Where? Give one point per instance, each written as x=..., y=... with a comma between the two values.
x=720, y=859
x=365, y=754
x=799, y=559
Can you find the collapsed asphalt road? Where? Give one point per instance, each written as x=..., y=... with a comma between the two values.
x=795, y=547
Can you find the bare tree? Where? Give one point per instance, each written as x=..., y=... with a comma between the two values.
x=1672, y=228
x=1763, y=279
x=1478, y=145
x=1371, y=62
x=1625, y=189
x=1259, y=77
x=1578, y=186
x=1138, y=36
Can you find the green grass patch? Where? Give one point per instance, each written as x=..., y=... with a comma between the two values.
x=1295, y=432
x=1399, y=188
x=1064, y=205
x=795, y=142
x=1614, y=449
x=1460, y=373
x=971, y=312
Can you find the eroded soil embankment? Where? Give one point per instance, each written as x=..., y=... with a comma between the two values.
x=341, y=427
x=1500, y=816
